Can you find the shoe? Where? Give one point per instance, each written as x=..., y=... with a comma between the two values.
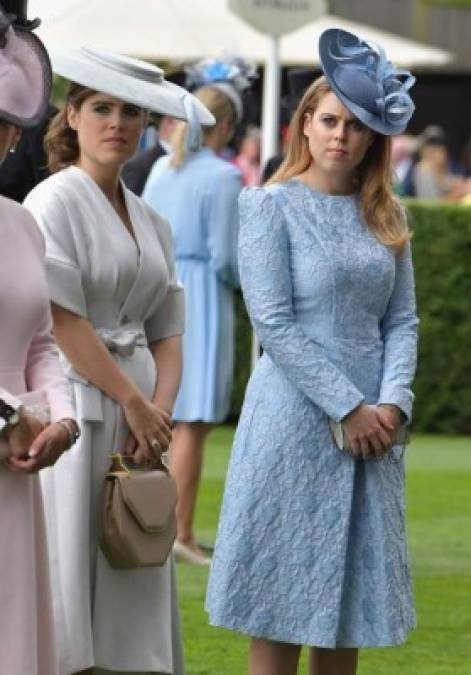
x=206, y=548
x=184, y=553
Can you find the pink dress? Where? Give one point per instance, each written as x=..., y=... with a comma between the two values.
x=28, y=361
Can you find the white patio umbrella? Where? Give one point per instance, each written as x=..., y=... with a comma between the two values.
x=181, y=30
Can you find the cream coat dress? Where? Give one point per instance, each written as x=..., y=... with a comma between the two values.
x=116, y=620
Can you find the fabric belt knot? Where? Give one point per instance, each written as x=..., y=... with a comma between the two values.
x=122, y=341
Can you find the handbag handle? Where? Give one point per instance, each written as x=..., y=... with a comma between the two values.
x=121, y=464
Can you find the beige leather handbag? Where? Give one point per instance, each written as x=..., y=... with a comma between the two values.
x=138, y=525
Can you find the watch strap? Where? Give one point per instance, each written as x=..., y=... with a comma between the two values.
x=72, y=429
x=8, y=412
x=14, y=401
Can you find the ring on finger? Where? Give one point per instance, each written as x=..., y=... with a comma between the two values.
x=155, y=444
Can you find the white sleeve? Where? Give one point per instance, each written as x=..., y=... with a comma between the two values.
x=64, y=275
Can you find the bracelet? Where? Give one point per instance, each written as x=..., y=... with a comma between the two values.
x=73, y=430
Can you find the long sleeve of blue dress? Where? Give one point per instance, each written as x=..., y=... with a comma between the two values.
x=399, y=331
x=267, y=286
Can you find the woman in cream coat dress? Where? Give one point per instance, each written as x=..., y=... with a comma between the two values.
x=118, y=313
x=28, y=363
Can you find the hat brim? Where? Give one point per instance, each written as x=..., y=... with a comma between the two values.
x=33, y=60
x=328, y=65
x=125, y=83
x=28, y=24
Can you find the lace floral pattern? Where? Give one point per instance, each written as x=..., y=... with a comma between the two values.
x=311, y=545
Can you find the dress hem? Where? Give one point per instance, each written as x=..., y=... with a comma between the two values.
x=191, y=419
x=313, y=641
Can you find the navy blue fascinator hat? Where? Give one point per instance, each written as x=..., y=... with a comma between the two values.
x=367, y=83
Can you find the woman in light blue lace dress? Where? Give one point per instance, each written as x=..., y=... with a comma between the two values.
x=311, y=548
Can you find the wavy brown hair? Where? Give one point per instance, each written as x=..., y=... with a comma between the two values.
x=382, y=210
x=60, y=142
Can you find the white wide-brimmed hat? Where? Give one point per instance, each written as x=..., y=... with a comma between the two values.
x=25, y=75
x=130, y=80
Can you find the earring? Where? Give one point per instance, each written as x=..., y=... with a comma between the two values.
x=13, y=148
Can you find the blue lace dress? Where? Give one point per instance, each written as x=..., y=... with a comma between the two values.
x=311, y=547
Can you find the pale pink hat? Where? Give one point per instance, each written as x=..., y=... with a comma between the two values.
x=25, y=75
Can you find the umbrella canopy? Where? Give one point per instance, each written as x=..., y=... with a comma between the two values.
x=183, y=30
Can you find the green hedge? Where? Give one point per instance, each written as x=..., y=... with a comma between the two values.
x=442, y=259
x=461, y=4
x=243, y=341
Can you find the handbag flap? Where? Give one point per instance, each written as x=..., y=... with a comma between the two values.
x=150, y=496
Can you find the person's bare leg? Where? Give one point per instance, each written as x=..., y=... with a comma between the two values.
x=333, y=661
x=186, y=460
x=267, y=657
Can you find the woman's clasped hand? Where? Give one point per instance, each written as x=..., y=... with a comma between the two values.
x=370, y=430
x=35, y=446
x=150, y=430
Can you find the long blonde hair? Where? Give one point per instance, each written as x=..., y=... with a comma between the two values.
x=218, y=104
x=382, y=210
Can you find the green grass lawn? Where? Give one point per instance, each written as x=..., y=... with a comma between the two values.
x=439, y=525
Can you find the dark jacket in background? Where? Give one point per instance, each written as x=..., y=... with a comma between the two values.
x=23, y=169
x=272, y=165
x=136, y=171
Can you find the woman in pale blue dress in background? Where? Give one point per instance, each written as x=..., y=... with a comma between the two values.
x=198, y=195
x=311, y=548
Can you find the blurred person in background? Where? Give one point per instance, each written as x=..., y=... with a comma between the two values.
x=466, y=172
x=248, y=158
x=431, y=175
x=465, y=168
x=198, y=195
x=27, y=166
x=402, y=162
x=465, y=163
x=136, y=171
